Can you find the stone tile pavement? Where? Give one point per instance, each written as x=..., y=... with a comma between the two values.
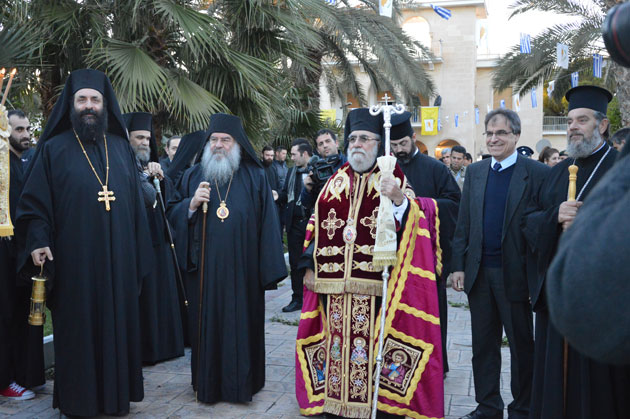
x=168, y=393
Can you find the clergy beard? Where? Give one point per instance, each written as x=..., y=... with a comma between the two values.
x=143, y=153
x=405, y=157
x=584, y=148
x=219, y=165
x=17, y=144
x=361, y=160
x=89, y=130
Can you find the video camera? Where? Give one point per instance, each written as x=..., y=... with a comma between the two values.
x=322, y=169
x=616, y=33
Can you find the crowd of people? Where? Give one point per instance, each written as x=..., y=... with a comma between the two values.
x=146, y=255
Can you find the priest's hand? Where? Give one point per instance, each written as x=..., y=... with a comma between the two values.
x=457, y=279
x=202, y=194
x=567, y=212
x=39, y=255
x=390, y=188
x=155, y=169
x=309, y=280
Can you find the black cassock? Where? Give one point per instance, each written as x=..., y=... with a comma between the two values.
x=431, y=178
x=594, y=390
x=21, y=345
x=243, y=257
x=100, y=260
x=160, y=317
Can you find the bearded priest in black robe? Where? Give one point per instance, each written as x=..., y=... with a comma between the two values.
x=429, y=178
x=243, y=257
x=160, y=318
x=593, y=389
x=82, y=214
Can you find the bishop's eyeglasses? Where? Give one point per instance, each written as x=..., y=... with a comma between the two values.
x=361, y=139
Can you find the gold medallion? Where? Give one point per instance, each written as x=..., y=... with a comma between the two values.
x=223, y=212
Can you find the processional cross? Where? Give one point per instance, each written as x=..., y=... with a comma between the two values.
x=106, y=196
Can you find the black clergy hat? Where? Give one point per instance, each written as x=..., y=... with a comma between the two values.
x=360, y=119
x=230, y=124
x=525, y=151
x=401, y=126
x=189, y=150
x=59, y=119
x=590, y=97
x=143, y=121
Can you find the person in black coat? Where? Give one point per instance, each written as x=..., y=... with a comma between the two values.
x=297, y=216
x=490, y=262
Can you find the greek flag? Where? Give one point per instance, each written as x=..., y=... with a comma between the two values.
x=598, y=63
x=444, y=13
x=477, y=116
x=456, y=120
x=332, y=2
x=575, y=78
x=502, y=103
x=534, y=100
x=526, y=44
x=439, y=124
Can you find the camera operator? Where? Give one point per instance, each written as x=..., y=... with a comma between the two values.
x=296, y=215
x=330, y=160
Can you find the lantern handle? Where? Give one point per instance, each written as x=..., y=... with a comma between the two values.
x=41, y=272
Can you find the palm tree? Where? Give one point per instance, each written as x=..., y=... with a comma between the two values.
x=525, y=71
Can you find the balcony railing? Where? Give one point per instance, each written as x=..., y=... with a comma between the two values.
x=554, y=123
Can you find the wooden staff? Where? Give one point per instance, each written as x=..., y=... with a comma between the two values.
x=201, y=269
x=573, y=169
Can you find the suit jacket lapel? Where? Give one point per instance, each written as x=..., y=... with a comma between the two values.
x=478, y=184
x=515, y=192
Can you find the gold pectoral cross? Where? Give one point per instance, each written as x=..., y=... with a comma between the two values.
x=106, y=196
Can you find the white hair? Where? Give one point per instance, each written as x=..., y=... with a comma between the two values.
x=361, y=160
x=219, y=165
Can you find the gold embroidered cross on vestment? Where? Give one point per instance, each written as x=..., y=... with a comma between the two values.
x=332, y=223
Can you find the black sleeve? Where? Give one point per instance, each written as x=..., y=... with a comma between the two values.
x=462, y=230
x=587, y=284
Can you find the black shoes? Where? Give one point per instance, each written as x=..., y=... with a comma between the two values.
x=293, y=306
x=476, y=414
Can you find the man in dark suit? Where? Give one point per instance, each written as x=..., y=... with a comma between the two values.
x=490, y=259
x=297, y=216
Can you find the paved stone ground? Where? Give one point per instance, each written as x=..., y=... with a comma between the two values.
x=168, y=392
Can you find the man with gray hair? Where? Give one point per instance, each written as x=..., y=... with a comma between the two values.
x=490, y=262
x=230, y=264
x=567, y=383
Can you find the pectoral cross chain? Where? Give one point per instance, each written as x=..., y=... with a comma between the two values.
x=106, y=196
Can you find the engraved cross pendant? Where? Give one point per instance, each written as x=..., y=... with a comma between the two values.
x=106, y=196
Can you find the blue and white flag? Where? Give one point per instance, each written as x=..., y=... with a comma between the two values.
x=331, y=2
x=439, y=124
x=534, y=100
x=502, y=103
x=598, y=63
x=575, y=79
x=444, y=13
x=456, y=120
x=526, y=44
x=477, y=116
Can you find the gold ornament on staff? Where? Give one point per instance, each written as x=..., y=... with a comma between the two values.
x=573, y=169
x=37, y=316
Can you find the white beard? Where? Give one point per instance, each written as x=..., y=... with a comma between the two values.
x=585, y=147
x=219, y=166
x=362, y=161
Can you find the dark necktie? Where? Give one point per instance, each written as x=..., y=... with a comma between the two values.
x=496, y=167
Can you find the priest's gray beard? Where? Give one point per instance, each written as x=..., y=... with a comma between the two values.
x=360, y=160
x=583, y=148
x=219, y=165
